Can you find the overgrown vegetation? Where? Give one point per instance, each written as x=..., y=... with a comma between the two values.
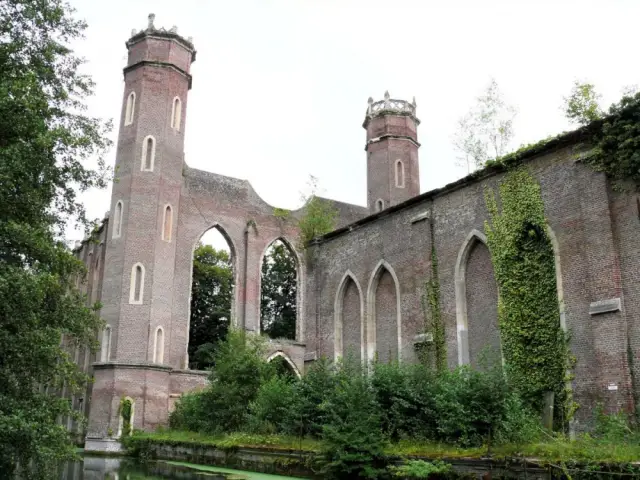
x=434, y=352
x=533, y=342
x=319, y=216
x=46, y=143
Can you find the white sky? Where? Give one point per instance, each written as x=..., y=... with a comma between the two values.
x=280, y=87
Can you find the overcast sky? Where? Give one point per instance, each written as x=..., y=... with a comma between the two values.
x=280, y=87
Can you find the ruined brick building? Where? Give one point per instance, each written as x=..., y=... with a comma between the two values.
x=363, y=291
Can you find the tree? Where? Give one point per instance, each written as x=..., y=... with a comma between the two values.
x=211, y=289
x=486, y=130
x=45, y=142
x=319, y=215
x=582, y=105
x=278, y=305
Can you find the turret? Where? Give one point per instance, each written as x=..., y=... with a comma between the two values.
x=392, y=152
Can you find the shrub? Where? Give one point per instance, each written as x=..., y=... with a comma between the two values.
x=470, y=404
x=353, y=443
x=270, y=411
x=189, y=413
x=309, y=396
x=419, y=469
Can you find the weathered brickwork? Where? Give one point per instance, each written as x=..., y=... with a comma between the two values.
x=361, y=286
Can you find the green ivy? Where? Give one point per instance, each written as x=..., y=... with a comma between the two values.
x=616, y=144
x=534, y=345
x=319, y=217
x=281, y=213
x=436, y=354
x=126, y=409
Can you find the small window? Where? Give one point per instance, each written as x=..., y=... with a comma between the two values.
x=136, y=288
x=148, y=153
x=158, y=347
x=130, y=110
x=379, y=205
x=117, y=220
x=399, y=174
x=167, y=223
x=95, y=284
x=105, y=347
x=638, y=206
x=176, y=114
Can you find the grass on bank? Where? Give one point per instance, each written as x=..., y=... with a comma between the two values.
x=584, y=449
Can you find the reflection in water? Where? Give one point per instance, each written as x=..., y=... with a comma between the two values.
x=100, y=468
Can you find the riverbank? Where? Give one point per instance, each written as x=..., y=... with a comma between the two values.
x=298, y=457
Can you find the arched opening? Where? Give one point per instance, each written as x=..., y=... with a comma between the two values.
x=95, y=282
x=126, y=414
x=399, y=174
x=283, y=365
x=212, y=294
x=117, y=220
x=348, y=322
x=384, y=326
x=136, y=288
x=148, y=153
x=176, y=114
x=105, y=344
x=379, y=205
x=167, y=223
x=130, y=109
x=158, y=346
x=279, y=291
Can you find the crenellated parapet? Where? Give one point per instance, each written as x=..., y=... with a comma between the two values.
x=390, y=106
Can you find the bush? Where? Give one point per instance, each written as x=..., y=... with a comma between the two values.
x=470, y=405
x=419, y=469
x=309, y=396
x=271, y=410
x=353, y=443
x=189, y=413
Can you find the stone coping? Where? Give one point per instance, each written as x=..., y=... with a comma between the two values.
x=131, y=365
x=199, y=373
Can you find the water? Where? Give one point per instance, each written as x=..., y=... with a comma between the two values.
x=102, y=468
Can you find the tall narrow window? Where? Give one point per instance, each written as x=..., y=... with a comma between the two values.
x=158, y=347
x=136, y=288
x=130, y=110
x=117, y=219
x=105, y=347
x=379, y=205
x=176, y=114
x=166, y=224
x=148, y=153
x=399, y=174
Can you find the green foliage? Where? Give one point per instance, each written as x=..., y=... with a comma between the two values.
x=436, y=353
x=211, y=289
x=270, y=411
x=616, y=144
x=239, y=372
x=45, y=141
x=486, y=130
x=418, y=469
x=126, y=411
x=279, y=290
x=353, y=445
x=582, y=105
x=534, y=345
x=281, y=213
x=190, y=413
x=319, y=216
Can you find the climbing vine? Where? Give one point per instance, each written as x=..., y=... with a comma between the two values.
x=437, y=353
x=616, y=143
x=534, y=345
x=126, y=409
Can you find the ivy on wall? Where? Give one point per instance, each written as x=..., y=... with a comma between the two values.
x=534, y=345
x=126, y=409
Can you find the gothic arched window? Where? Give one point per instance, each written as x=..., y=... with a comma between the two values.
x=148, y=153
x=176, y=114
x=130, y=109
x=136, y=288
x=117, y=220
x=105, y=346
x=167, y=222
x=399, y=174
x=158, y=346
x=379, y=205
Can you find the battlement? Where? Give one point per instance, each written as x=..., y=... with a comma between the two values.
x=390, y=106
x=152, y=32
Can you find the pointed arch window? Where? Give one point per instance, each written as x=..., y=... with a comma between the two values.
x=136, y=288
x=379, y=205
x=176, y=114
x=105, y=347
x=167, y=222
x=158, y=346
x=399, y=174
x=130, y=109
x=148, y=153
x=117, y=220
